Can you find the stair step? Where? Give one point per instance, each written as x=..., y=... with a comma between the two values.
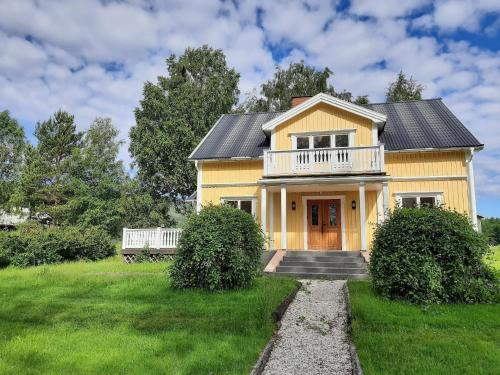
x=318, y=269
x=320, y=258
x=329, y=276
x=329, y=263
x=347, y=254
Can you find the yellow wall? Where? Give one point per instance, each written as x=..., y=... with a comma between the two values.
x=239, y=171
x=295, y=219
x=455, y=192
x=430, y=164
x=448, y=163
x=324, y=118
x=240, y=178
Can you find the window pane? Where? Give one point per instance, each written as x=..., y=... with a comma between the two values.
x=332, y=214
x=302, y=143
x=314, y=214
x=409, y=202
x=321, y=141
x=342, y=140
x=427, y=201
x=233, y=203
x=246, y=206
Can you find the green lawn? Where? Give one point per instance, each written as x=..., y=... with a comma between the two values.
x=397, y=338
x=111, y=318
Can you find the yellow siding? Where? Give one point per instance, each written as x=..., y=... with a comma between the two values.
x=451, y=163
x=214, y=194
x=455, y=192
x=324, y=118
x=295, y=219
x=241, y=171
x=239, y=178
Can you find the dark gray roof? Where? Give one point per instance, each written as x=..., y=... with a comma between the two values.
x=410, y=125
x=422, y=124
x=236, y=135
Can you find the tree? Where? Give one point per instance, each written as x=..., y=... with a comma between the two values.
x=140, y=210
x=491, y=229
x=96, y=181
x=175, y=114
x=404, y=88
x=296, y=80
x=12, y=150
x=43, y=181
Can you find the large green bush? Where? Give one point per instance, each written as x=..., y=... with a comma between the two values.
x=431, y=255
x=220, y=248
x=32, y=244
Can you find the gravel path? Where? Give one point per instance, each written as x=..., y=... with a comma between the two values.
x=313, y=336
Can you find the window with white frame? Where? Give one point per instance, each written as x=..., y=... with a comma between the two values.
x=411, y=200
x=324, y=140
x=247, y=204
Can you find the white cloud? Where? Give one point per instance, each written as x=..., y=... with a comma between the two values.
x=57, y=57
x=390, y=8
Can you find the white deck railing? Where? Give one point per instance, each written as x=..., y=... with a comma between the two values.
x=324, y=161
x=154, y=238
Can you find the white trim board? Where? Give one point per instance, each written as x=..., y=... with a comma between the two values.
x=425, y=178
x=376, y=117
x=229, y=184
x=342, y=216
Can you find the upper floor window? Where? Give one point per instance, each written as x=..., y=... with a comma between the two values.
x=301, y=142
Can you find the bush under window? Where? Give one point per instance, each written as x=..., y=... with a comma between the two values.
x=431, y=255
x=219, y=249
x=32, y=244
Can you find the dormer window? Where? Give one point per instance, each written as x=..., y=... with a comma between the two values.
x=323, y=140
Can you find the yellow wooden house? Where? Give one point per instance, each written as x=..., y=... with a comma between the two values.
x=320, y=175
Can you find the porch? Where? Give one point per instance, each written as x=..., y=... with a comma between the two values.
x=322, y=213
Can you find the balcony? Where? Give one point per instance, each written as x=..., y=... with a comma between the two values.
x=324, y=161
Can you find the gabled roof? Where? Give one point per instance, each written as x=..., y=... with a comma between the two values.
x=410, y=125
x=422, y=124
x=235, y=136
x=374, y=116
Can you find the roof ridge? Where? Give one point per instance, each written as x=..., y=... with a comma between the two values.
x=404, y=101
x=251, y=113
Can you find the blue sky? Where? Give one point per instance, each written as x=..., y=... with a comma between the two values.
x=92, y=57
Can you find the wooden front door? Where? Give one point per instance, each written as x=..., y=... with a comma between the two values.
x=324, y=225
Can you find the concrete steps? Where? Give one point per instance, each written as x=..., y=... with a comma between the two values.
x=335, y=265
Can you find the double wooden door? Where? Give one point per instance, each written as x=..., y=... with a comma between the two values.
x=324, y=224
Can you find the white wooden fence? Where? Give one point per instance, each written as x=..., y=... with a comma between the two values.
x=153, y=238
x=324, y=161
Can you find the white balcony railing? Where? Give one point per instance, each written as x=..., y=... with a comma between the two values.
x=155, y=238
x=341, y=160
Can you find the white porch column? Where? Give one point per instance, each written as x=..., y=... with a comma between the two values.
x=380, y=208
x=362, y=215
x=472, y=188
x=199, y=179
x=263, y=209
x=271, y=220
x=283, y=217
x=385, y=195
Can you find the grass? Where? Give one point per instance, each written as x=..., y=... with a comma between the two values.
x=397, y=338
x=493, y=259
x=111, y=318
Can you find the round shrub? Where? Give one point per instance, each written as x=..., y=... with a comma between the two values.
x=431, y=255
x=33, y=244
x=220, y=248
